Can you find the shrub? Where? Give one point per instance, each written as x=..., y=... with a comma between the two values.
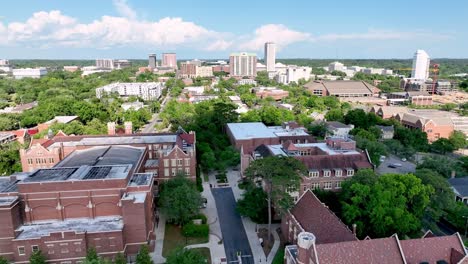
x=202, y=217
x=193, y=230
x=199, y=184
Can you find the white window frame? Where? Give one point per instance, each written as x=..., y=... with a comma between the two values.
x=338, y=172
x=326, y=173
x=327, y=185
x=349, y=172
x=338, y=185
x=313, y=174
x=21, y=249
x=34, y=248
x=315, y=185
x=166, y=163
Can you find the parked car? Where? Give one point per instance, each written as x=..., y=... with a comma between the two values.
x=403, y=159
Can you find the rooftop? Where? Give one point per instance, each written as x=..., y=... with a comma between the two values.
x=336, y=124
x=242, y=131
x=78, y=225
x=62, y=119
x=136, y=197
x=140, y=179
x=103, y=155
x=7, y=200
x=278, y=149
x=78, y=173
x=460, y=185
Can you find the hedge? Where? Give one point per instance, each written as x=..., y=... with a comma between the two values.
x=193, y=230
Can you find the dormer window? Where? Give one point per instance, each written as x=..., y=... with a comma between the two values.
x=349, y=172
x=326, y=173
x=313, y=174
x=338, y=173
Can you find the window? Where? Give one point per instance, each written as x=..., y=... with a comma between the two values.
x=21, y=251
x=51, y=160
x=315, y=185
x=313, y=174
x=304, y=188
x=35, y=248
x=179, y=162
x=327, y=185
x=317, y=92
x=173, y=172
x=166, y=172
x=338, y=185
x=291, y=189
x=326, y=173
x=187, y=162
x=350, y=172
x=30, y=161
x=187, y=171
x=173, y=162
x=338, y=173
x=166, y=163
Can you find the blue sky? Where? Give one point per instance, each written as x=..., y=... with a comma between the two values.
x=337, y=29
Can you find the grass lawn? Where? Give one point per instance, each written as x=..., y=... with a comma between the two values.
x=279, y=257
x=173, y=238
x=205, y=252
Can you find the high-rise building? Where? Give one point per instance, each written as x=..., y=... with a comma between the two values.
x=270, y=56
x=152, y=61
x=105, y=63
x=243, y=64
x=421, y=62
x=336, y=66
x=169, y=60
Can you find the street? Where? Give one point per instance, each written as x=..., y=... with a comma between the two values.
x=150, y=127
x=234, y=236
x=406, y=166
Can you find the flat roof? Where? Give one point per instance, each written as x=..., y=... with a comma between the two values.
x=278, y=149
x=250, y=130
x=283, y=132
x=78, y=173
x=7, y=200
x=103, y=155
x=140, y=179
x=78, y=225
x=136, y=197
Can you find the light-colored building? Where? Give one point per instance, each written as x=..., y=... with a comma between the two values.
x=338, y=129
x=169, y=60
x=342, y=88
x=152, y=63
x=421, y=63
x=243, y=64
x=147, y=91
x=133, y=106
x=247, y=82
x=270, y=56
x=71, y=68
x=336, y=66
x=203, y=71
x=273, y=92
x=92, y=69
x=294, y=74
x=193, y=69
x=105, y=63
x=5, y=65
x=29, y=73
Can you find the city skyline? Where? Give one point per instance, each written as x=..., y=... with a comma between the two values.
x=132, y=29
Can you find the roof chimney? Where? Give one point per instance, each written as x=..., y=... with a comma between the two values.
x=305, y=241
x=111, y=128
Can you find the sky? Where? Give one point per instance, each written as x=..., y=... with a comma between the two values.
x=208, y=29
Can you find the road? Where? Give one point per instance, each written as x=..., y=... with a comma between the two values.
x=150, y=127
x=234, y=236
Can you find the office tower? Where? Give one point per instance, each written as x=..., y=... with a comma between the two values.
x=421, y=62
x=169, y=60
x=105, y=63
x=152, y=61
x=243, y=64
x=270, y=56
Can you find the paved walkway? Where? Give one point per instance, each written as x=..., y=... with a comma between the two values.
x=157, y=254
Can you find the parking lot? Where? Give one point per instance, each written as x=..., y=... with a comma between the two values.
x=406, y=166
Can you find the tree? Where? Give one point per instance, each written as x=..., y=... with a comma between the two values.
x=442, y=146
x=92, y=256
x=37, y=258
x=391, y=203
x=185, y=256
x=10, y=158
x=179, y=199
x=120, y=259
x=254, y=205
x=3, y=260
x=442, y=198
x=458, y=139
x=280, y=176
x=318, y=129
x=442, y=165
x=334, y=114
x=143, y=256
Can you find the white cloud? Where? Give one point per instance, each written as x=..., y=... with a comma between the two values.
x=277, y=33
x=377, y=34
x=219, y=45
x=124, y=9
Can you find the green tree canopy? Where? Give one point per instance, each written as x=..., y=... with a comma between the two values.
x=143, y=256
x=391, y=203
x=254, y=205
x=179, y=200
x=458, y=139
x=37, y=258
x=185, y=256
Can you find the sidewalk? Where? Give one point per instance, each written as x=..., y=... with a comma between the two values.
x=217, y=250
x=157, y=254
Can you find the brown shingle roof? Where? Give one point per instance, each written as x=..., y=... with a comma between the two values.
x=320, y=162
x=433, y=249
x=316, y=218
x=383, y=250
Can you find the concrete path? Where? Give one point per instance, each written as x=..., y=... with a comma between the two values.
x=251, y=227
x=160, y=228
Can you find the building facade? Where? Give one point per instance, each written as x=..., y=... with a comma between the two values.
x=243, y=64
x=169, y=60
x=29, y=73
x=421, y=63
x=145, y=90
x=152, y=63
x=270, y=56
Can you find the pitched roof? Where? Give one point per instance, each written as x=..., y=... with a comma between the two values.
x=343, y=87
x=433, y=249
x=460, y=185
x=383, y=250
x=316, y=218
x=319, y=162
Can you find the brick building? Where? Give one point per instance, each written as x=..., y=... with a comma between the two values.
x=318, y=236
x=329, y=163
x=342, y=88
x=273, y=92
x=167, y=154
x=96, y=198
